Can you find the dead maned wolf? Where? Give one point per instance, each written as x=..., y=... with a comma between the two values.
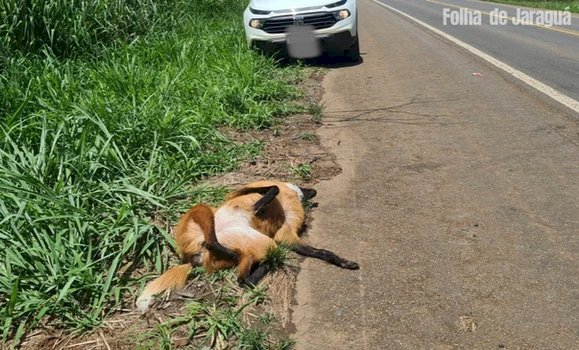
x=239, y=233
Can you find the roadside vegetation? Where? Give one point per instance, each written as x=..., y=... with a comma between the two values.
x=110, y=114
x=561, y=5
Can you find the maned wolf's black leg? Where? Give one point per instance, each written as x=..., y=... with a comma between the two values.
x=325, y=255
x=221, y=251
x=270, y=195
x=256, y=276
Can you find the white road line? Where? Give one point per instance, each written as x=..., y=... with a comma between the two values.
x=547, y=90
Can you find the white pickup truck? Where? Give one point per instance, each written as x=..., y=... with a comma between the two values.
x=332, y=25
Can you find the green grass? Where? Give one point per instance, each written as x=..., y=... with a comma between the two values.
x=308, y=136
x=107, y=122
x=303, y=171
x=561, y=5
x=277, y=257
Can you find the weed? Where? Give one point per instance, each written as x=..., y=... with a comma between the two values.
x=266, y=318
x=308, y=136
x=285, y=344
x=253, y=339
x=276, y=257
x=316, y=110
x=304, y=171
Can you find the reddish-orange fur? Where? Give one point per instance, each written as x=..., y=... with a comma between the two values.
x=283, y=218
x=238, y=235
x=197, y=244
x=189, y=234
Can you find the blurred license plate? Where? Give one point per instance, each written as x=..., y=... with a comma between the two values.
x=301, y=42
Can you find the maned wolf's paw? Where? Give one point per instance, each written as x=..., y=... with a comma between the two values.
x=349, y=265
x=143, y=303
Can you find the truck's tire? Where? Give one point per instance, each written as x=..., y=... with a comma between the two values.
x=353, y=53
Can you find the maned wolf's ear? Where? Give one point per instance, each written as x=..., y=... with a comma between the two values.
x=308, y=193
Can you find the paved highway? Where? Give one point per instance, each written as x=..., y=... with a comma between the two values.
x=458, y=196
x=550, y=55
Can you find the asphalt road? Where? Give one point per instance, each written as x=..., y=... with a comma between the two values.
x=550, y=55
x=459, y=198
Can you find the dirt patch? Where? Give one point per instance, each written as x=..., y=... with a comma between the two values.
x=291, y=152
